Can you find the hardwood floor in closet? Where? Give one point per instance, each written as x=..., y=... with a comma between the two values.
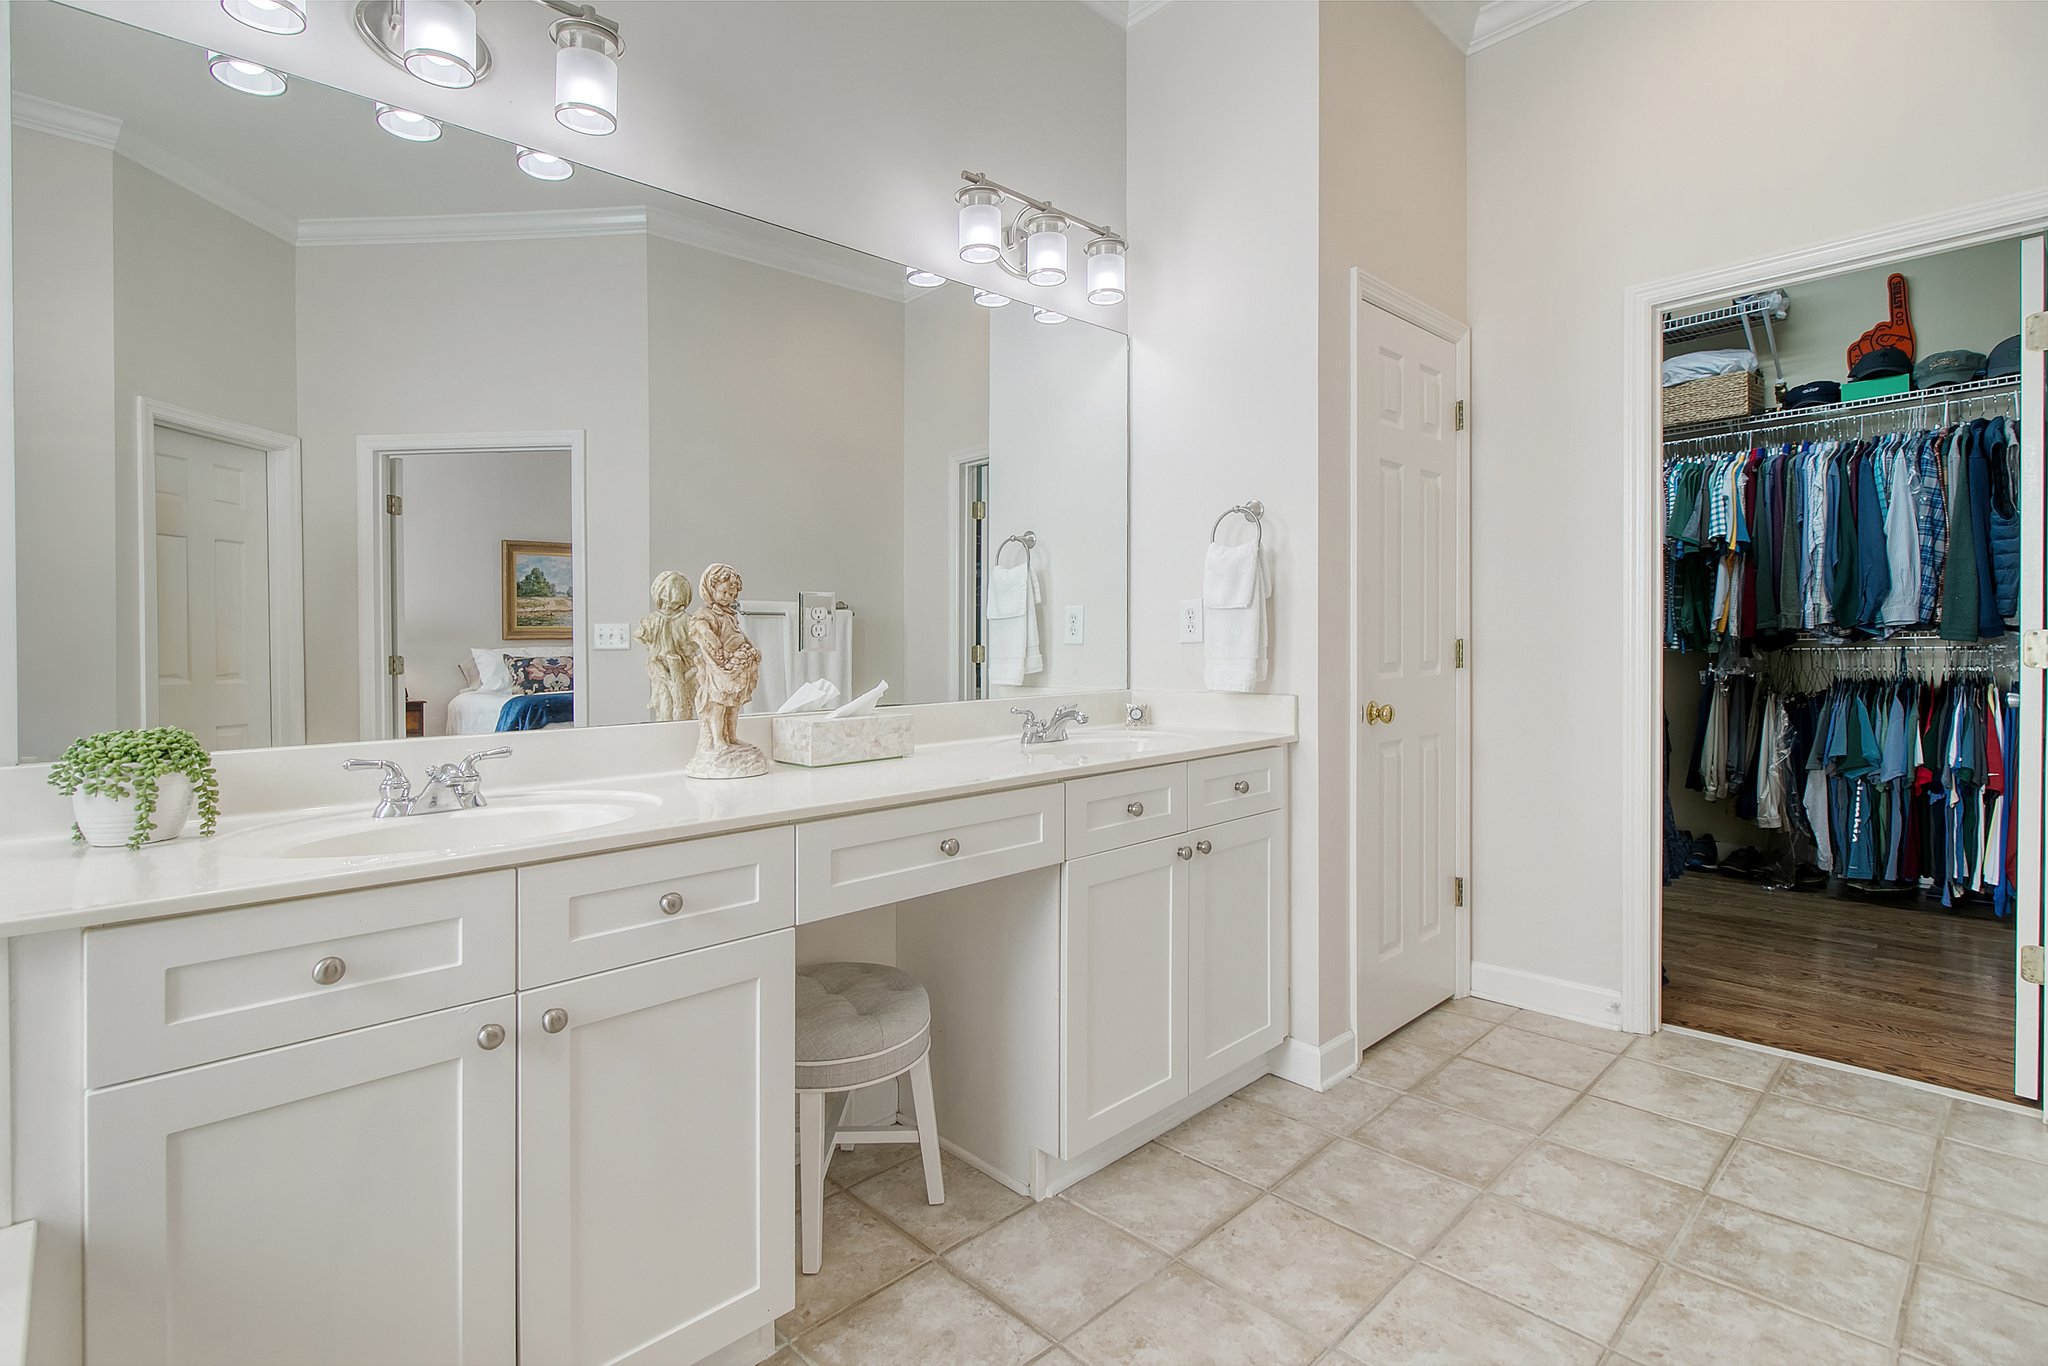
x=1909, y=992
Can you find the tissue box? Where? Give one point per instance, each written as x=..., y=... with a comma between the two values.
x=818, y=741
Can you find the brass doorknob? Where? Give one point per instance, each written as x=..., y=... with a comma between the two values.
x=1377, y=713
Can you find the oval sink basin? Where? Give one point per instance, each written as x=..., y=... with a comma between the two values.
x=506, y=821
x=1081, y=748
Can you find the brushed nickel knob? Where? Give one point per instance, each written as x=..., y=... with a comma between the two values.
x=490, y=1036
x=328, y=971
x=1241, y=786
x=1185, y=852
x=554, y=1021
x=1204, y=847
x=1135, y=809
x=949, y=847
x=671, y=903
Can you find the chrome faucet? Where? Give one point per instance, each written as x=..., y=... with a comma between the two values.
x=1051, y=730
x=450, y=787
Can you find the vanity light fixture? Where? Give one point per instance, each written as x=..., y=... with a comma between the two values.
x=438, y=43
x=587, y=49
x=403, y=123
x=284, y=17
x=1033, y=246
x=923, y=279
x=544, y=165
x=250, y=78
x=988, y=298
x=1046, y=315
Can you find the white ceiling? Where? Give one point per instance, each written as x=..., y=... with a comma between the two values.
x=1475, y=24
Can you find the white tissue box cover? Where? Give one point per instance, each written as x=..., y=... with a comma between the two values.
x=818, y=741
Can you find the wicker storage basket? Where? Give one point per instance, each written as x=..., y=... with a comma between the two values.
x=1713, y=398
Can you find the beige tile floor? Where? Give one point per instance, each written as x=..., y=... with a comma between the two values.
x=1493, y=1186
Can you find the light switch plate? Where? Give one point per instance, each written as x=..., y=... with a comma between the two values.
x=1191, y=619
x=1075, y=631
x=611, y=635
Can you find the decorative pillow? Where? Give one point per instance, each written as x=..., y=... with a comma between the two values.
x=541, y=673
x=491, y=673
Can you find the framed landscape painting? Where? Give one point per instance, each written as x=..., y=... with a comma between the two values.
x=537, y=594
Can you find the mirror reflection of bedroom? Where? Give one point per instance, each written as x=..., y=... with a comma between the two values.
x=482, y=571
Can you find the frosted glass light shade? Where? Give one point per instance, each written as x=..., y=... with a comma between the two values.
x=439, y=42
x=544, y=165
x=268, y=16
x=403, y=123
x=1106, y=279
x=988, y=298
x=1045, y=251
x=250, y=78
x=586, y=90
x=981, y=227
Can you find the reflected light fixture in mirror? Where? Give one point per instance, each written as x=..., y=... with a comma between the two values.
x=1106, y=280
x=988, y=298
x=587, y=74
x=922, y=279
x=284, y=17
x=543, y=165
x=250, y=78
x=438, y=42
x=403, y=123
x=1047, y=316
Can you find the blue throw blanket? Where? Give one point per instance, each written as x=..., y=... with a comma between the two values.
x=535, y=710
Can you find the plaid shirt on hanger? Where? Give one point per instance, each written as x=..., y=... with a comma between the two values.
x=1933, y=521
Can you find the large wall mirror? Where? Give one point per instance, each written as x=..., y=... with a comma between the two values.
x=327, y=435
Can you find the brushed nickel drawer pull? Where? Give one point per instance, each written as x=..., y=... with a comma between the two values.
x=1135, y=809
x=490, y=1036
x=949, y=847
x=1204, y=847
x=1184, y=852
x=671, y=903
x=1241, y=786
x=554, y=1021
x=328, y=971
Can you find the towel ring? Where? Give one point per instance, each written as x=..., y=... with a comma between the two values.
x=1027, y=539
x=1253, y=512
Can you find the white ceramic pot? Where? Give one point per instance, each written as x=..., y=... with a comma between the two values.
x=109, y=822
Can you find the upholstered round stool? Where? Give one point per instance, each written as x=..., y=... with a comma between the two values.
x=858, y=1024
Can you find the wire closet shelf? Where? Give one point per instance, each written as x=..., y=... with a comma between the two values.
x=1865, y=417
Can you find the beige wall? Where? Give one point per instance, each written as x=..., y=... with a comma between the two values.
x=538, y=336
x=776, y=433
x=1584, y=181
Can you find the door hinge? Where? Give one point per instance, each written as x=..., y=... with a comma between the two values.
x=978, y=510
x=394, y=665
x=978, y=654
x=2032, y=970
x=393, y=504
x=2034, y=649
x=1458, y=653
x=1457, y=891
x=1458, y=415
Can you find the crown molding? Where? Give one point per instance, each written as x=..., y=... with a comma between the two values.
x=39, y=115
x=1500, y=20
x=713, y=230
x=1127, y=14
x=1141, y=10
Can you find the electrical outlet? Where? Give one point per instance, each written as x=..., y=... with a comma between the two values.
x=1191, y=619
x=1074, y=631
x=610, y=635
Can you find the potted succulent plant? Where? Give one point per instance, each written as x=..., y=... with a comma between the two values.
x=135, y=787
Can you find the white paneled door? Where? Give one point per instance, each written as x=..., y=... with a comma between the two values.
x=1409, y=567
x=212, y=590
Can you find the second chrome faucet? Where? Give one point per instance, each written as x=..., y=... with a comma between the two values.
x=450, y=787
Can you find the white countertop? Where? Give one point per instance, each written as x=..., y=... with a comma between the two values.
x=51, y=883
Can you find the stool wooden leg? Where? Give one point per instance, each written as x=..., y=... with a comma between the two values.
x=927, y=1129
x=811, y=1144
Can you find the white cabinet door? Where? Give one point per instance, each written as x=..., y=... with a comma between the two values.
x=1237, y=945
x=1124, y=956
x=656, y=1192
x=344, y=1200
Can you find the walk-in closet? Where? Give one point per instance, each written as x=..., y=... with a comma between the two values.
x=1847, y=499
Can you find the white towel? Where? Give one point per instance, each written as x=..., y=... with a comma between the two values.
x=1234, y=593
x=1013, y=598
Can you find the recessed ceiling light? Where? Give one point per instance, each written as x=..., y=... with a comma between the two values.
x=268, y=16
x=544, y=165
x=250, y=78
x=923, y=279
x=403, y=123
x=1046, y=315
x=988, y=298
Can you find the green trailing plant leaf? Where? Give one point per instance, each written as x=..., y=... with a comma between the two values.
x=128, y=763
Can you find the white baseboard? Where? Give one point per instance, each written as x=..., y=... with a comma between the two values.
x=1318, y=1067
x=1548, y=995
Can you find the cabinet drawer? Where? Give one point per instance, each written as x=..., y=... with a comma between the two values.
x=174, y=993
x=1117, y=809
x=850, y=863
x=607, y=911
x=1233, y=785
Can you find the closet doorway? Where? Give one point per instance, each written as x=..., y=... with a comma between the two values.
x=1851, y=546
